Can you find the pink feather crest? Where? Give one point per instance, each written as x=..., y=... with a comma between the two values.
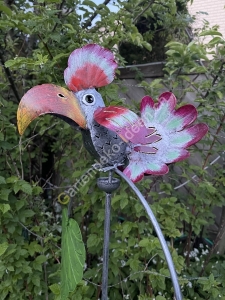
x=91, y=66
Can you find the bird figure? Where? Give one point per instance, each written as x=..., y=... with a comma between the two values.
x=115, y=135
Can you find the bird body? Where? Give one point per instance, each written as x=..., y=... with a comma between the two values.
x=115, y=134
x=108, y=146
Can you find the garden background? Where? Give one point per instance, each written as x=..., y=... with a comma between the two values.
x=36, y=38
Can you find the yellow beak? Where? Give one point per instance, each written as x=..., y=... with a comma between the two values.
x=48, y=99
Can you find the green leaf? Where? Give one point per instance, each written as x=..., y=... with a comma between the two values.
x=37, y=263
x=134, y=264
x=3, y=248
x=10, y=268
x=36, y=190
x=9, y=63
x=55, y=288
x=4, y=194
x=216, y=40
x=123, y=203
x=92, y=240
x=19, y=204
x=147, y=46
x=172, y=44
x=172, y=52
x=26, y=188
x=58, y=58
x=28, y=213
x=12, y=179
x=6, y=10
x=34, y=247
x=35, y=280
x=11, y=228
x=16, y=187
x=23, y=214
x=89, y=3
x=2, y=180
x=40, y=259
x=4, y=207
x=72, y=29
x=144, y=242
x=220, y=95
x=73, y=255
x=211, y=278
x=160, y=298
x=5, y=145
x=116, y=199
x=56, y=37
x=210, y=32
x=27, y=269
x=215, y=293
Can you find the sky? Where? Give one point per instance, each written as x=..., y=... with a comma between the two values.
x=111, y=6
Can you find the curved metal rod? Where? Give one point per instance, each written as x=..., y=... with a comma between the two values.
x=159, y=233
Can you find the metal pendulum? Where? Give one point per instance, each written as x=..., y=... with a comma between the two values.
x=108, y=185
x=177, y=291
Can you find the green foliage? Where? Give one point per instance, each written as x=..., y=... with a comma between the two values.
x=156, y=22
x=73, y=255
x=36, y=40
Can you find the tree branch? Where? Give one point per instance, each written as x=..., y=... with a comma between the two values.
x=213, y=142
x=92, y=17
x=46, y=47
x=10, y=78
x=59, y=14
x=217, y=240
x=215, y=79
x=143, y=11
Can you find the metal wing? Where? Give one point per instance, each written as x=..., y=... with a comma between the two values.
x=158, y=138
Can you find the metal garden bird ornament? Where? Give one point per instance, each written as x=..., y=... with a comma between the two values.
x=115, y=134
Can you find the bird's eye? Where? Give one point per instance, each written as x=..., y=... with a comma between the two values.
x=89, y=99
x=61, y=95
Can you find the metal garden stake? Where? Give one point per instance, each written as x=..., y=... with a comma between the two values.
x=108, y=185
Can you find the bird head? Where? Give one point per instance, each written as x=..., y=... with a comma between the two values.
x=89, y=67
x=89, y=101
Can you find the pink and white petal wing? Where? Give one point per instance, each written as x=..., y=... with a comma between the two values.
x=147, y=110
x=164, y=114
x=173, y=155
x=125, y=123
x=134, y=171
x=180, y=118
x=158, y=138
x=140, y=164
x=161, y=112
x=157, y=169
x=189, y=136
x=115, y=118
x=187, y=113
x=145, y=102
x=168, y=97
x=145, y=149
